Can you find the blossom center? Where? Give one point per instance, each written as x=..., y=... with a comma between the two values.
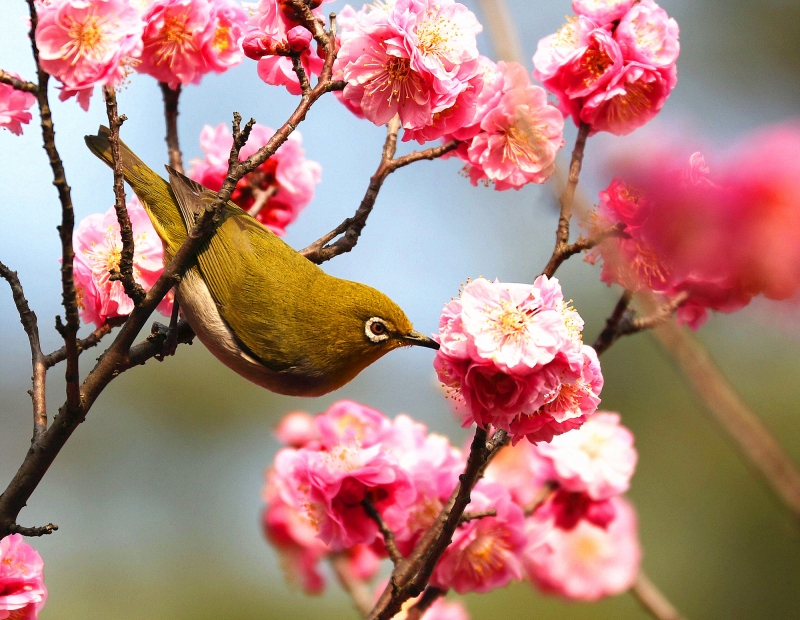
x=566, y=36
x=398, y=69
x=513, y=321
x=587, y=548
x=175, y=39
x=485, y=553
x=633, y=103
x=523, y=144
x=434, y=36
x=595, y=62
x=86, y=40
x=221, y=40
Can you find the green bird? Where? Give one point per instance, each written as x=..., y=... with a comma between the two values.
x=259, y=306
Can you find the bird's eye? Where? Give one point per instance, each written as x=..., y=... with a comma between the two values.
x=376, y=330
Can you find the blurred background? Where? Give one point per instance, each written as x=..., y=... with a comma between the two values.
x=157, y=495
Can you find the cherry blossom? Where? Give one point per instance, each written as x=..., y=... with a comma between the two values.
x=277, y=191
x=98, y=244
x=602, y=12
x=88, y=42
x=22, y=590
x=14, y=106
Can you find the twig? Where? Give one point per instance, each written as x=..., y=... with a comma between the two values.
x=171, y=98
x=90, y=341
x=428, y=598
x=68, y=293
x=388, y=535
x=356, y=588
x=651, y=598
x=567, y=198
x=45, y=530
x=544, y=494
x=261, y=198
x=297, y=66
x=28, y=319
x=28, y=87
x=473, y=516
x=124, y=272
x=610, y=333
x=324, y=248
x=756, y=444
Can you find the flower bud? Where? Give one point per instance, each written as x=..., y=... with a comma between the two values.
x=256, y=45
x=299, y=38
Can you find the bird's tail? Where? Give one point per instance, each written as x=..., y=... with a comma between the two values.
x=154, y=192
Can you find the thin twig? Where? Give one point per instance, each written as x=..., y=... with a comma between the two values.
x=542, y=496
x=92, y=340
x=300, y=72
x=124, y=271
x=261, y=198
x=473, y=516
x=18, y=84
x=171, y=98
x=567, y=198
x=385, y=530
x=610, y=333
x=653, y=601
x=428, y=598
x=34, y=532
x=356, y=588
x=28, y=319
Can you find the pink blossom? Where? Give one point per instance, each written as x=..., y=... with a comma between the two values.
x=185, y=39
x=349, y=422
x=14, y=106
x=648, y=35
x=488, y=91
x=588, y=563
x=485, y=553
x=602, y=12
x=98, y=243
x=87, y=42
x=521, y=470
x=22, y=589
x=297, y=429
x=598, y=458
x=519, y=136
x=277, y=191
x=567, y=510
x=555, y=51
x=446, y=610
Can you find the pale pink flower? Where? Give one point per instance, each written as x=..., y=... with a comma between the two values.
x=297, y=429
x=519, y=136
x=349, y=422
x=185, y=39
x=446, y=610
x=588, y=563
x=602, y=12
x=14, y=106
x=555, y=51
x=598, y=458
x=452, y=339
x=277, y=191
x=485, y=553
x=87, y=42
x=521, y=470
x=489, y=92
x=648, y=35
x=22, y=589
x=98, y=244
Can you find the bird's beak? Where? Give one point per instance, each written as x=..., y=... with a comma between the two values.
x=420, y=340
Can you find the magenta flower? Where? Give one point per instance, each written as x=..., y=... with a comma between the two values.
x=277, y=191
x=22, y=589
x=485, y=553
x=98, y=243
x=598, y=458
x=588, y=563
x=87, y=42
x=14, y=106
x=185, y=39
x=518, y=135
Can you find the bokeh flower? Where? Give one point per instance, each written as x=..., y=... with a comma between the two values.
x=14, y=106
x=22, y=590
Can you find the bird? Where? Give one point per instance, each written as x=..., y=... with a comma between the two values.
x=259, y=306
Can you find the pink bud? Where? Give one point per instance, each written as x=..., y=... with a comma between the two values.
x=257, y=44
x=299, y=38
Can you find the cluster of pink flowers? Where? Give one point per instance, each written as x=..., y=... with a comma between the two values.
x=613, y=65
x=512, y=355
x=22, y=589
x=275, y=192
x=98, y=244
x=14, y=106
x=723, y=236
x=84, y=43
x=548, y=500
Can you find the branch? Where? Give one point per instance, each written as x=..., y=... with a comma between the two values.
x=651, y=598
x=388, y=535
x=33, y=531
x=428, y=598
x=567, y=198
x=68, y=293
x=18, y=84
x=473, y=516
x=124, y=272
x=609, y=334
x=171, y=98
x=322, y=249
x=28, y=319
x=90, y=341
x=356, y=588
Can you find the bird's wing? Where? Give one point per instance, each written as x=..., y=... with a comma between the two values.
x=253, y=276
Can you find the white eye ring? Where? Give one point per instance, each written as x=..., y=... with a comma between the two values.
x=372, y=335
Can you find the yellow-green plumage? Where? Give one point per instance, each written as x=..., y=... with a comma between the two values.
x=261, y=307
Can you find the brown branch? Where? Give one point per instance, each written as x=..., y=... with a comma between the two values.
x=567, y=198
x=45, y=530
x=544, y=494
x=610, y=333
x=385, y=530
x=653, y=601
x=324, y=248
x=428, y=598
x=92, y=340
x=68, y=293
x=29, y=323
x=171, y=98
x=473, y=516
x=124, y=272
x=297, y=66
x=356, y=588
x=18, y=84
x=261, y=198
